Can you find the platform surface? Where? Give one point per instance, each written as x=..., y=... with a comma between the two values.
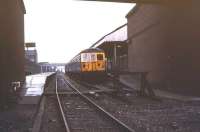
x=162, y=93
x=33, y=88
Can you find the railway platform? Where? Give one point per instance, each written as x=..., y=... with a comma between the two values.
x=162, y=93
x=33, y=88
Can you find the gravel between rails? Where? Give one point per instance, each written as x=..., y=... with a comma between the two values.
x=150, y=115
x=79, y=86
x=154, y=116
x=83, y=117
x=52, y=121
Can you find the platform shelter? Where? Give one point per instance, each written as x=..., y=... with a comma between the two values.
x=115, y=46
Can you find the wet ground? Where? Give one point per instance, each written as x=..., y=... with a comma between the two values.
x=19, y=117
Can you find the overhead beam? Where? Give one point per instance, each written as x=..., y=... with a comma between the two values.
x=121, y=1
x=129, y=1
x=145, y=1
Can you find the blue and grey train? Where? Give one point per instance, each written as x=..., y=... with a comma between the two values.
x=88, y=64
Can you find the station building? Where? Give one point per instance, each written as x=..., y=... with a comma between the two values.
x=31, y=59
x=31, y=55
x=31, y=52
x=163, y=39
x=11, y=44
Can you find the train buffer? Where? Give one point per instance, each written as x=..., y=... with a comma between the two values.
x=145, y=88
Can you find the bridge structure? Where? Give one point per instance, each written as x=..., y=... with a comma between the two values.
x=52, y=67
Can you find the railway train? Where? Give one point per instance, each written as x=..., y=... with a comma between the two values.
x=88, y=64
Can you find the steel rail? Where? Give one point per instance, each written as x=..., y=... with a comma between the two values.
x=61, y=109
x=100, y=108
x=85, y=92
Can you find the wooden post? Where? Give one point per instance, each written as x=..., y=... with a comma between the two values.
x=142, y=83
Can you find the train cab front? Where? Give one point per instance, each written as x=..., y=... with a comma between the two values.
x=93, y=65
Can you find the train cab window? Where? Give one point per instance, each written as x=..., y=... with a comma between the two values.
x=93, y=57
x=99, y=56
x=85, y=57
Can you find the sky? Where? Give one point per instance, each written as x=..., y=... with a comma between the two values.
x=62, y=28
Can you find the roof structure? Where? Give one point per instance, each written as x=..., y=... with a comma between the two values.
x=117, y=35
x=92, y=50
x=133, y=10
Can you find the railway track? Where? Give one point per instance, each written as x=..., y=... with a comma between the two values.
x=80, y=113
x=142, y=114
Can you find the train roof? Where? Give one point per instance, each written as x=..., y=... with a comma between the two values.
x=89, y=51
x=92, y=50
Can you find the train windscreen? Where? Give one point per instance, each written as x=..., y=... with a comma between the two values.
x=99, y=56
x=88, y=57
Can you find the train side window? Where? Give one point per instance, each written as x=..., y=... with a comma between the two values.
x=99, y=56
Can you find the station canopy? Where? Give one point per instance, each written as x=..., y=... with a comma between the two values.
x=117, y=35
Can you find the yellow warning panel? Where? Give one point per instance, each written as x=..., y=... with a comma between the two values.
x=100, y=65
x=86, y=66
